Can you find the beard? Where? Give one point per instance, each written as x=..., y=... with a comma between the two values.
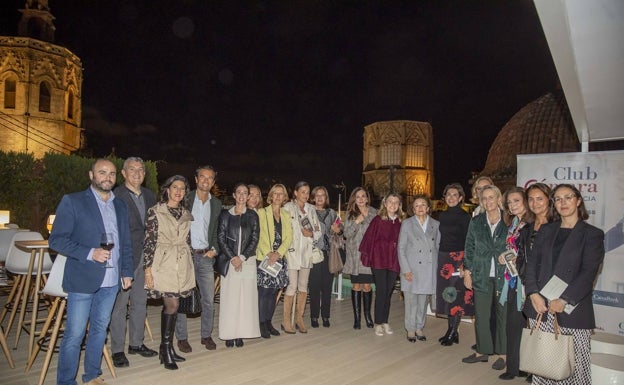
x=104, y=186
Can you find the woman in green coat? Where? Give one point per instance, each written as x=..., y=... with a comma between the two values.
x=485, y=276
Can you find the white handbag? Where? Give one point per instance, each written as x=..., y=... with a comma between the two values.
x=549, y=355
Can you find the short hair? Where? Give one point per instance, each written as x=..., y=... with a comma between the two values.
x=496, y=191
x=164, y=193
x=383, y=212
x=101, y=160
x=272, y=191
x=316, y=189
x=475, y=194
x=417, y=197
x=261, y=200
x=581, y=211
x=205, y=167
x=133, y=159
x=457, y=187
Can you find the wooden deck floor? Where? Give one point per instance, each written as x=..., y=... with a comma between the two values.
x=335, y=355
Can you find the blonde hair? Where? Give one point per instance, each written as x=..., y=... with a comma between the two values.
x=272, y=190
x=383, y=212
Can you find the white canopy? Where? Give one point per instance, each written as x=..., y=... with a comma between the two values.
x=586, y=40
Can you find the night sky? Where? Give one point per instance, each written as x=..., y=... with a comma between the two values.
x=281, y=91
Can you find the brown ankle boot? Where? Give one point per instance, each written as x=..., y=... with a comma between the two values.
x=301, y=303
x=287, y=322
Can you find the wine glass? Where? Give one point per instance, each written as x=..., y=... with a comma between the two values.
x=107, y=242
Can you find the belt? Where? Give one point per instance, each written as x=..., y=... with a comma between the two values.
x=200, y=251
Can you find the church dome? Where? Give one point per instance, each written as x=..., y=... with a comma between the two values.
x=542, y=126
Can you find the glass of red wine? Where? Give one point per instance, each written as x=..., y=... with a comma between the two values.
x=107, y=243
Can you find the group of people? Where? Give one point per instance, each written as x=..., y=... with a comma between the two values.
x=515, y=245
x=170, y=247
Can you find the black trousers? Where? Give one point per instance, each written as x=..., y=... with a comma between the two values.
x=320, y=287
x=267, y=299
x=384, y=284
x=516, y=321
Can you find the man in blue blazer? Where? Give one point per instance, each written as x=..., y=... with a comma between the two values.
x=91, y=286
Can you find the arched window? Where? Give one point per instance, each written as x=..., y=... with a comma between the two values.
x=44, y=97
x=70, y=105
x=9, y=93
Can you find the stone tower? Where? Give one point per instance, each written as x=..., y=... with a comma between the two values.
x=398, y=156
x=40, y=88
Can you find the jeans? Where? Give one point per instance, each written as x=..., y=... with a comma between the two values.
x=137, y=297
x=95, y=309
x=384, y=285
x=204, y=275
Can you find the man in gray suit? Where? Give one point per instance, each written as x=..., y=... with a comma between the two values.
x=138, y=199
x=205, y=209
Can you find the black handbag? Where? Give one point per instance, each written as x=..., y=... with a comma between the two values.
x=191, y=304
x=222, y=264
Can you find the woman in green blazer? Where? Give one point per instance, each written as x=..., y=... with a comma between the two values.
x=485, y=276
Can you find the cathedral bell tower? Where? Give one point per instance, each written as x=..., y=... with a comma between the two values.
x=40, y=88
x=37, y=21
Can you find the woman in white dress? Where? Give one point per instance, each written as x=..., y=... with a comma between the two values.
x=237, y=235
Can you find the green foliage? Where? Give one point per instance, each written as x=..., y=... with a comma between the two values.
x=32, y=189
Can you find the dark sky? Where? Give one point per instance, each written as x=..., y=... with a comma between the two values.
x=281, y=90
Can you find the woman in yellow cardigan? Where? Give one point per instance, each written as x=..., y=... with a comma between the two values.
x=275, y=239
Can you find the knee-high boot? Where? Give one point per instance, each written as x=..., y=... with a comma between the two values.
x=367, y=299
x=453, y=338
x=449, y=320
x=287, y=321
x=356, y=302
x=167, y=326
x=175, y=355
x=301, y=304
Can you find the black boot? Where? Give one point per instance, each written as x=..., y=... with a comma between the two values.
x=175, y=355
x=264, y=330
x=453, y=338
x=356, y=302
x=272, y=330
x=167, y=326
x=449, y=319
x=367, y=298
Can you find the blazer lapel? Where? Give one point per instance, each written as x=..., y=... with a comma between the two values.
x=92, y=204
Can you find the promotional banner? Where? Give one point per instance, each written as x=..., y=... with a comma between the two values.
x=599, y=176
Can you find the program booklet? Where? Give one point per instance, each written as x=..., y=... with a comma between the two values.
x=271, y=270
x=553, y=290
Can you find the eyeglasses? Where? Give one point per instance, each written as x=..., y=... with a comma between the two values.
x=567, y=198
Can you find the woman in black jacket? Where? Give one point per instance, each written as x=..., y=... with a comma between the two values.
x=237, y=235
x=572, y=250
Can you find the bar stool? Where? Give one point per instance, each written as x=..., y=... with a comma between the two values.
x=21, y=263
x=56, y=314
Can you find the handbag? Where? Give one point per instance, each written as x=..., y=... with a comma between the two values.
x=317, y=255
x=222, y=264
x=336, y=243
x=546, y=354
x=191, y=304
